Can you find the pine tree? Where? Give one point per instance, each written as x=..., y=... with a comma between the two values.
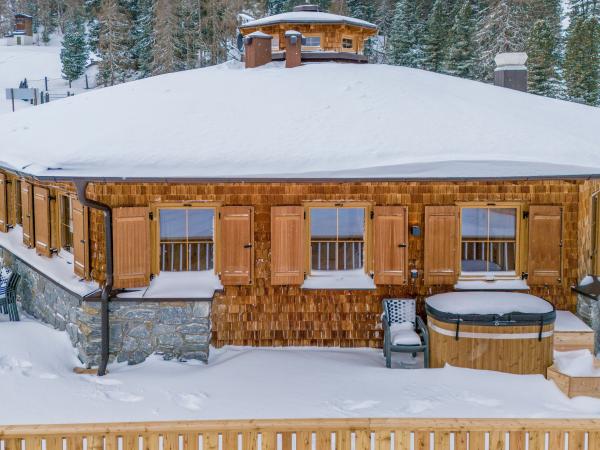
x=502, y=28
x=143, y=37
x=362, y=9
x=275, y=7
x=585, y=9
x=461, y=53
x=435, y=38
x=542, y=48
x=403, y=46
x=74, y=52
x=114, y=46
x=582, y=61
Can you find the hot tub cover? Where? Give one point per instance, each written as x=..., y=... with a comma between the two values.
x=490, y=307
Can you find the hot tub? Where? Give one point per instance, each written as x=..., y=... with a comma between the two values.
x=503, y=331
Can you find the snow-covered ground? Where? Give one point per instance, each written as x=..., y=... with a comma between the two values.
x=35, y=62
x=37, y=384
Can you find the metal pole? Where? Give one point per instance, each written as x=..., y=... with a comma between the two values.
x=12, y=96
x=87, y=86
x=46, y=82
x=69, y=84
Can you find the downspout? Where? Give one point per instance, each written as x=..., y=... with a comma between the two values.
x=80, y=186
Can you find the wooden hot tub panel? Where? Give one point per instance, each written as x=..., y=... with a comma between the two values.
x=475, y=350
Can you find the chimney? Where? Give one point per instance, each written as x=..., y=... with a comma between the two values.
x=257, y=49
x=293, y=49
x=511, y=71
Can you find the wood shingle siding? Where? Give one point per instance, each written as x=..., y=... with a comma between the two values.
x=41, y=214
x=131, y=247
x=441, y=244
x=80, y=244
x=236, y=245
x=27, y=214
x=265, y=313
x=287, y=245
x=545, y=245
x=3, y=204
x=390, y=241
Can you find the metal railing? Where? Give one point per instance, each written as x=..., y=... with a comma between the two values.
x=499, y=253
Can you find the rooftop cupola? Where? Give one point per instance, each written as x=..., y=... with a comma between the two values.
x=323, y=36
x=306, y=7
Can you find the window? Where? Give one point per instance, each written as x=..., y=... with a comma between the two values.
x=596, y=234
x=275, y=43
x=337, y=239
x=186, y=239
x=18, y=203
x=66, y=223
x=311, y=41
x=347, y=44
x=489, y=240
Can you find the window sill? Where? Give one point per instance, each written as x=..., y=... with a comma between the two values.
x=178, y=285
x=339, y=280
x=514, y=284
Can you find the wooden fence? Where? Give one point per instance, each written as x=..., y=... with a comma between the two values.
x=317, y=434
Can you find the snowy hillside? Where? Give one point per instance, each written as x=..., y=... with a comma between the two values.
x=318, y=120
x=34, y=63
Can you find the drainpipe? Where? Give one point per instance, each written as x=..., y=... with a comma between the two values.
x=80, y=186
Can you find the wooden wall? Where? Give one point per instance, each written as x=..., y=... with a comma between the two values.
x=586, y=190
x=262, y=314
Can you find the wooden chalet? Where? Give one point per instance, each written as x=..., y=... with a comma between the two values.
x=284, y=215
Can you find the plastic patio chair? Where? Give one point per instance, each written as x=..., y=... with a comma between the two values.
x=400, y=322
x=8, y=301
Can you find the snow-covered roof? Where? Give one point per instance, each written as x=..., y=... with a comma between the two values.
x=315, y=121
x=307, y=17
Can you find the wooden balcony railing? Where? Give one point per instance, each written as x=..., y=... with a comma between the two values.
x=500, y=254
x=312, y=434
x=337, y=255
x=179, y=256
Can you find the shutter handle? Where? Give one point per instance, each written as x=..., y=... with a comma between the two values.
x=402, y=245
x=82, y=241
x=248, y=246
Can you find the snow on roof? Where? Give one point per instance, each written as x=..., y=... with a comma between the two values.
x=260, y=34
x=323, y=120
x=308, y=17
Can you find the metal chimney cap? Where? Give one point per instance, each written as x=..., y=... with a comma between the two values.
x=511, y=59
x=306, y=7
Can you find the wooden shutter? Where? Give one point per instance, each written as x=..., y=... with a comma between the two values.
x=441, y=244
x=236, y=242
x=80, y=236
x=545, y=245
x=390, y=230
x=3, y=204
x=131, y=247
x=287, y=245
x=27, y=214
x=41, y=216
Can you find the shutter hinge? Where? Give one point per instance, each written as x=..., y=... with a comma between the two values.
x=219, y=214
x=525, y=214
x=151, y=215
x=524, y=275
x=372, y=215
x=304, y=215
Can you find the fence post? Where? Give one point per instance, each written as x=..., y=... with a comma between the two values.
x=69, y=84
x=12, y=96
x=47, y=97
x=46, y=83
x=87, y=86
x=42, y=98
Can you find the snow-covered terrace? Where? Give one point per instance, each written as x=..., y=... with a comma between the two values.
x=316, y=121
x=36, y=368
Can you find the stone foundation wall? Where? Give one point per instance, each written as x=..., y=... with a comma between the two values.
x=174, y=329
x=589, y=311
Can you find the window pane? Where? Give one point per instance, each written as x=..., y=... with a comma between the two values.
x=351, y=223
x=475, y=223
x=66, y=223
x=172, y=225
x=200, y=224
x=503, y=223
x=323, y=223
x=311, y=41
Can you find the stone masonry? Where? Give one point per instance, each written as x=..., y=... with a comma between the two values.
x=174, y=329
x=589, y=311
